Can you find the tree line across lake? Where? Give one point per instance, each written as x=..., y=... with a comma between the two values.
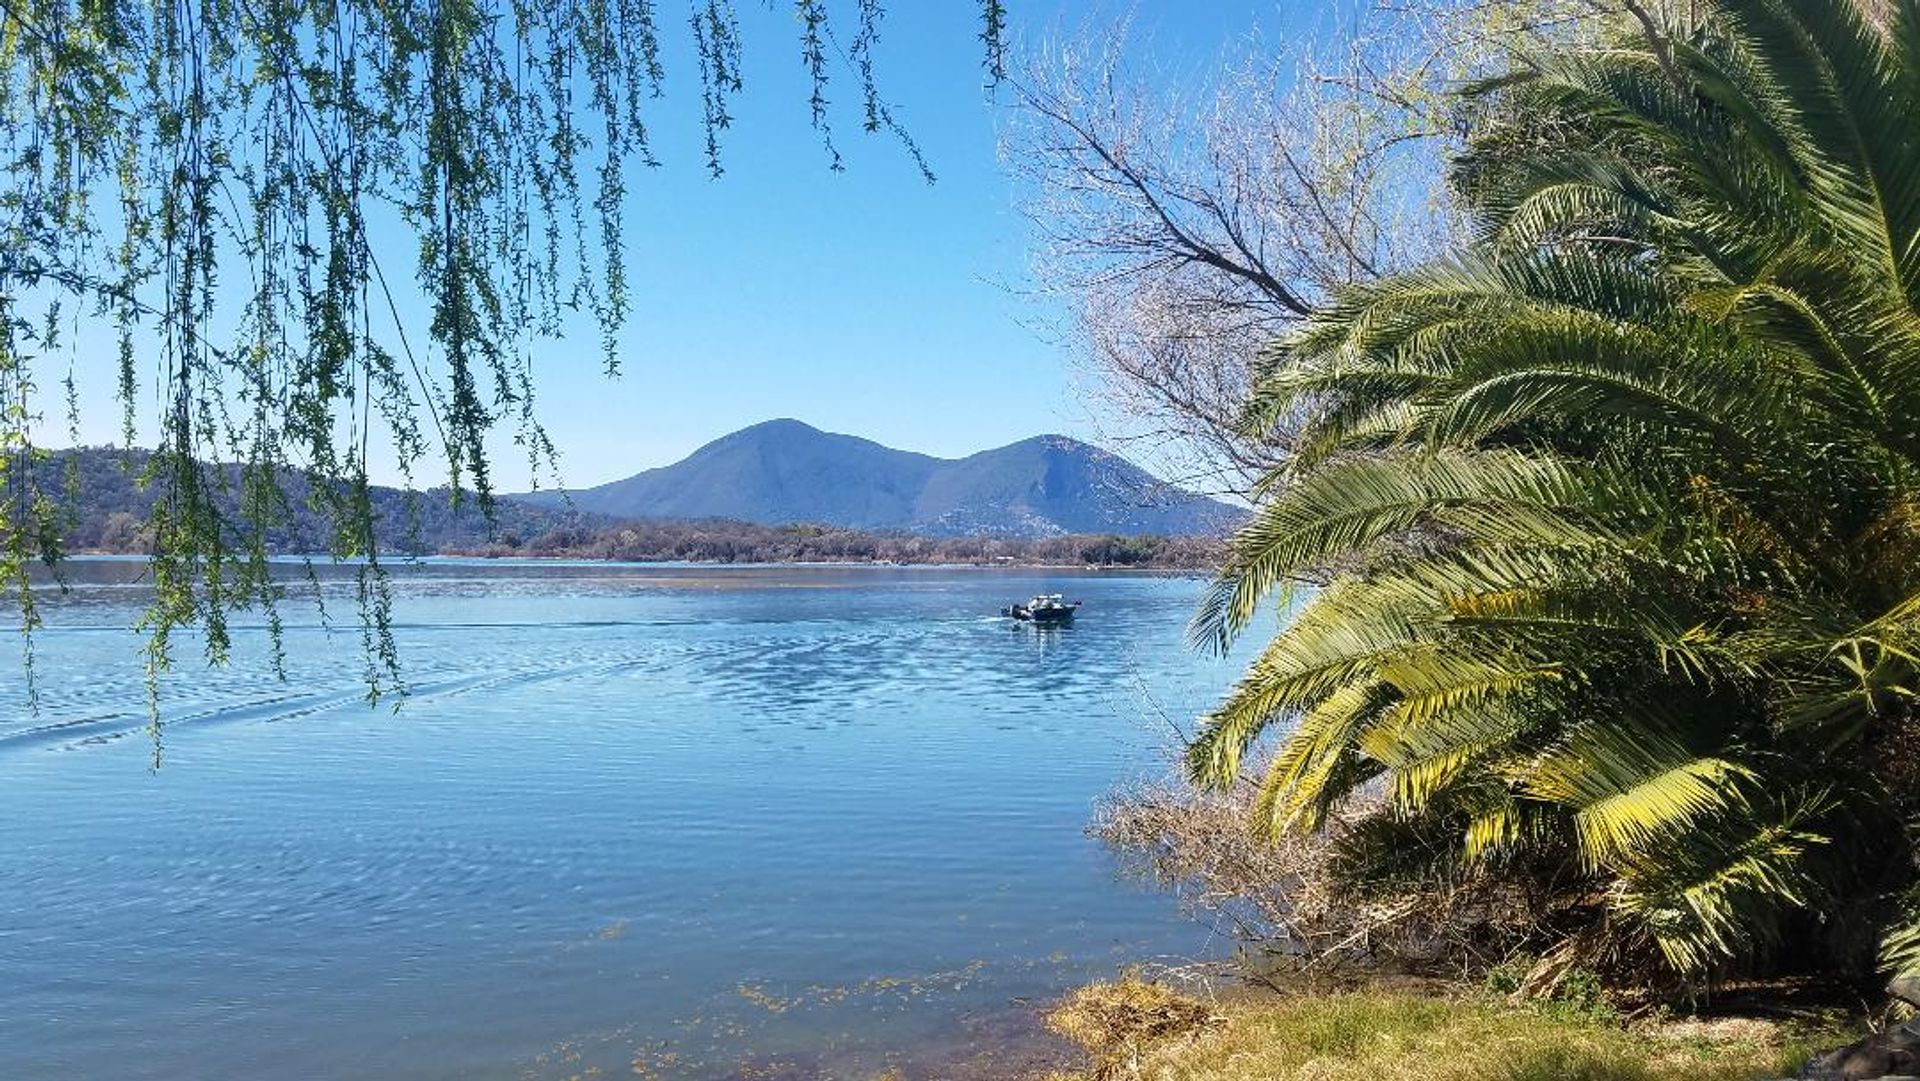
x=747, y=542
x=110, y=512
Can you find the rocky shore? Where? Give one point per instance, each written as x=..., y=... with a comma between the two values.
x=1893, y=1055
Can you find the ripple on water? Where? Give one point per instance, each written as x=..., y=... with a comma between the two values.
x=624, y=815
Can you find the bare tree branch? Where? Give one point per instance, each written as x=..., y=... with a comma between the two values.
x=1185, y=227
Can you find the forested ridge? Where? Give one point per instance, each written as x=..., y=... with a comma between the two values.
x=110, y=509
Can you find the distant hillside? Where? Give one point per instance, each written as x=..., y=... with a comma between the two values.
x=111, y=511
x=777, y=472
x=784, y=471
x=110, y=514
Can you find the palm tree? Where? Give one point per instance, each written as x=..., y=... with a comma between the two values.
x=1615, y=515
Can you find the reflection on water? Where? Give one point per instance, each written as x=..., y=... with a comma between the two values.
x=666, y=822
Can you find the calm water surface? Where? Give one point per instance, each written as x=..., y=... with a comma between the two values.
x=667, y=822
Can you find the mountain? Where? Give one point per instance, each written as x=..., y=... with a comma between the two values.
x=783, y=471
x=109, y=508
x=777, y=472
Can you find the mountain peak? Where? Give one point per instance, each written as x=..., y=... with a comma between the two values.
x=778, y=424
x=784, y=471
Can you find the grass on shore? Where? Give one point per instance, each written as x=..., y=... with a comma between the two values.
x=1135, y=1030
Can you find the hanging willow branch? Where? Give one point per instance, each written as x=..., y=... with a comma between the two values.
x=225, y=186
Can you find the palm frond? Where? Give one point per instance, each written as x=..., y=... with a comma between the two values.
x=1351, y=505
x=1614, y=508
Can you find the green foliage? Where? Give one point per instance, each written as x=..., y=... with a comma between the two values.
x=1581, y=996
x=221, y=183
x=1575, y=994
x=1616, y=510
x=1507, y=977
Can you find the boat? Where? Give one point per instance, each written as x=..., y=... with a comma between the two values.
x=1043, y=608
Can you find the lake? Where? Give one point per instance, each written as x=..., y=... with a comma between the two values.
x=631, y=821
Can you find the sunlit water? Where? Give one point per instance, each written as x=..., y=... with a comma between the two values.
x=671, y=822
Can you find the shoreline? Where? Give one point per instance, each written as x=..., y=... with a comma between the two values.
x=1439, y=1029
x=465, y=558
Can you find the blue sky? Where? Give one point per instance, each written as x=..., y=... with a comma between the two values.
x=864, y=301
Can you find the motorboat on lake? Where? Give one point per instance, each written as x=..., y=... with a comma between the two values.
x=1043, y=608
